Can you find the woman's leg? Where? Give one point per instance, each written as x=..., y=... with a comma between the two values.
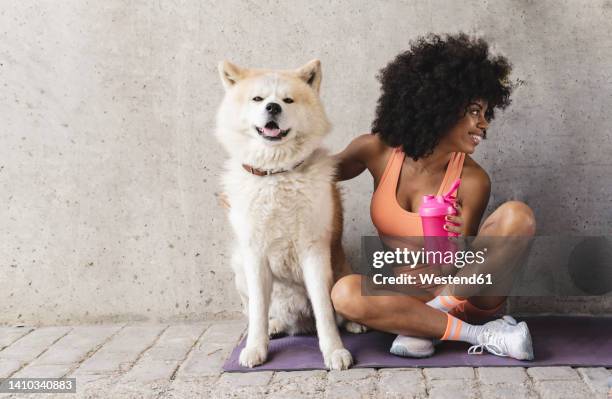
x=511, y=219
x=409, y=316
x=399, y=314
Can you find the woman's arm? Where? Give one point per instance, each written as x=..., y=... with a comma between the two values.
x=355, y=157
x=473, y=198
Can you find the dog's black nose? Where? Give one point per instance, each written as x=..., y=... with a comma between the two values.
x=273, y=108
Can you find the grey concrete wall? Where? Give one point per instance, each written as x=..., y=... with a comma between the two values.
x=108, y=167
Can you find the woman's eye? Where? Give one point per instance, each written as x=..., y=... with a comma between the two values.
x=288, y=100
x=257, y=98
x=475, y=112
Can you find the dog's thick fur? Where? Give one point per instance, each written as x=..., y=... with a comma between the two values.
x=289, y=224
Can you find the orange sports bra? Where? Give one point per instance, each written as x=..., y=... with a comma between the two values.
x=388, y=216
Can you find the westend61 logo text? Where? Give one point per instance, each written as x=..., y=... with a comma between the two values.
x=406, y=257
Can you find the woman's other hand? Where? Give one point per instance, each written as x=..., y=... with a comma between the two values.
x=455, y=223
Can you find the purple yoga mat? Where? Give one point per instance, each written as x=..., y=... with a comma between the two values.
x=557, y=341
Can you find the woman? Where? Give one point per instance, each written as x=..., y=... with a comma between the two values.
x=436, y=104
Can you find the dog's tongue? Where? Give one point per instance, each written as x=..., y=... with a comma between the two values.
x=271, y=132
x=271, y=129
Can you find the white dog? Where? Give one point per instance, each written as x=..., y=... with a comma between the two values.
x=285, y=208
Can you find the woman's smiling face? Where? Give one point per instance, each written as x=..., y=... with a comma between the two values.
x=470, y=130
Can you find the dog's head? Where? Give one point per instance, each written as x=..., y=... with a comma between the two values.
x=271, y=118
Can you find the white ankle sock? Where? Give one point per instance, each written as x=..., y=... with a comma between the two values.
x=458, y=330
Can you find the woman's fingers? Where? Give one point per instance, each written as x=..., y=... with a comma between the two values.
x=453, y=219
x=453, y=223
x=452, y=228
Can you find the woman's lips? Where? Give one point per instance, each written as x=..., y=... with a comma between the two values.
x=476, y=138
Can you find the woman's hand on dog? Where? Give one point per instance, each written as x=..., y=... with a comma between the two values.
x=222, y=200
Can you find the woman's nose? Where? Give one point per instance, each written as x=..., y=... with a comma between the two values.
x=482, y=123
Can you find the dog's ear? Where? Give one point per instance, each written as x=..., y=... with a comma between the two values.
x=311, y=74
x=230, y=74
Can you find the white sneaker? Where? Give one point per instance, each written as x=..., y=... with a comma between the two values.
x=504, y=337
x=412, y=346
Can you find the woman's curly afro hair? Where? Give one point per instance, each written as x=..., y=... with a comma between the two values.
x=425, y=90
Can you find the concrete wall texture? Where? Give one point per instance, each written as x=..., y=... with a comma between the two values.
x=108, y=166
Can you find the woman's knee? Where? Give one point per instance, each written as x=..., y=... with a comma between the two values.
x=516, y=218
x=346, y=297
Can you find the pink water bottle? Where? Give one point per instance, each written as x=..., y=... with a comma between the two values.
x=433, y=210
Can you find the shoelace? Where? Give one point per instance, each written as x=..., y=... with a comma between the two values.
x=478, y=349
x=492, y=347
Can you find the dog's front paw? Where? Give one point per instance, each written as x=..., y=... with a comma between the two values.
x=355, y=328
x=339, y=359
x=252, y=356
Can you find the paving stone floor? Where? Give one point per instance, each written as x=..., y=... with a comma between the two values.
x=184, y=361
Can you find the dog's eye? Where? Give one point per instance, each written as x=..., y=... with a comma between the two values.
x=257, y=98
x=288, y=100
